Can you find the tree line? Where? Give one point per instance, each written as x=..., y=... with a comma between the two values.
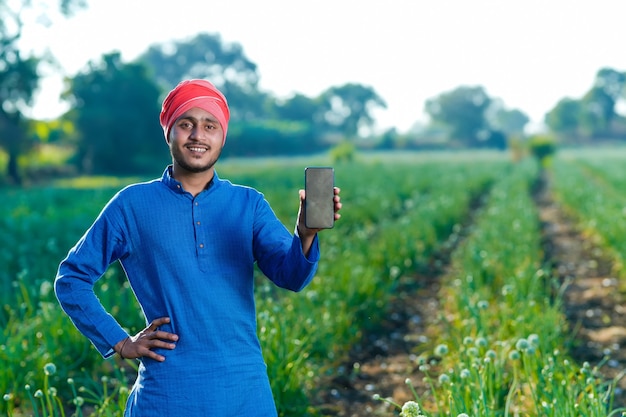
x=112, y=125
x=595, y=115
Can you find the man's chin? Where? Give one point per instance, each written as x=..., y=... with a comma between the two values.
x=196, y=168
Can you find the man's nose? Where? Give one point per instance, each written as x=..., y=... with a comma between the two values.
x=196, y=133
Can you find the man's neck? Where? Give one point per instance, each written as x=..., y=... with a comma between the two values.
x=193, y=182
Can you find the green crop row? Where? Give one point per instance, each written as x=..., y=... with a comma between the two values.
x=397, y=214
x=595, y=199
x=504, y=345
x=363, y=264
x=503, y=351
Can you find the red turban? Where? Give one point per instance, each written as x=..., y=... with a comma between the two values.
x=194, y=93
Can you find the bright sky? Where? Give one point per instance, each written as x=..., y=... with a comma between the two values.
x=529, y=53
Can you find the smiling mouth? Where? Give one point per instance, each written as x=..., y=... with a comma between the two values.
x=197, y=149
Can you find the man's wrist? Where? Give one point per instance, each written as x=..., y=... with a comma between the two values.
x=306, y=235
x=120, y=349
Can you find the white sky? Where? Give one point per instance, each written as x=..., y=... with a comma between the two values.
x=528, y=53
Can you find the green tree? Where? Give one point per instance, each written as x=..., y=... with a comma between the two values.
x=348, y=108
x=564, y=118
x=463, y=112
x=597, y=113
x=543, y=148
x=18, y=79
x=115, y=108
x=593, y=115
x=511, y=122
x=299, y=108
x=206, y=56
x=270, y=137
x=612, y=82
x=307, y=112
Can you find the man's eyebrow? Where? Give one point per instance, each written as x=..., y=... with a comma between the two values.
x=204, y=118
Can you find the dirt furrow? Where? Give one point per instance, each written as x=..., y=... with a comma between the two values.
x=384, y=359
x=593, y=307
x=593, y=301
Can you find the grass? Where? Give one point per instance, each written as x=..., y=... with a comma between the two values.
x=505, y=343
x=504, y=348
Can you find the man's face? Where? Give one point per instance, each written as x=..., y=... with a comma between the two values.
x=196, y=140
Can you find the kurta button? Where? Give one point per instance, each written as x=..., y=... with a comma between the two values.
x=198, y=223
x=202, y=245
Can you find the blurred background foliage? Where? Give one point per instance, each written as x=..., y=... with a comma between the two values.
x=112, y=125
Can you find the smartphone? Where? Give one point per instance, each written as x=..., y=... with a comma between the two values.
x=319, y=205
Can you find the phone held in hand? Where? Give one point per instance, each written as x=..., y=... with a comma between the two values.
x=319, y=205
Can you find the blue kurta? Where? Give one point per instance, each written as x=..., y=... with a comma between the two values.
x=191, y=259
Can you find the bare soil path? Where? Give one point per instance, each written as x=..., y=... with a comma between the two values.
x=384, y=359
x=594, y=307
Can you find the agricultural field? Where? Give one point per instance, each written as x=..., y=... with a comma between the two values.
x=440, y=285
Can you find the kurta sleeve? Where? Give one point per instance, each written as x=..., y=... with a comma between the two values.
x=279, y=254
x=101, y=245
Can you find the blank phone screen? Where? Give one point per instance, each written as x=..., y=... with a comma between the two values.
x=319, y=210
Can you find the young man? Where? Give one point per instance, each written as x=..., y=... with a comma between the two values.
x=188, y=243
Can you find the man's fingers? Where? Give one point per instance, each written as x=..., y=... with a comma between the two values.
x=150, y=338
x=143, y=347
x=156, y=357
x=163, y=345
x=154, y=325
x=153, y=355
x=161, y=335
x=159, y=322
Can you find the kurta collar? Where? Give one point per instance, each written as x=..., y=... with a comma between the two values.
x=176, y=186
